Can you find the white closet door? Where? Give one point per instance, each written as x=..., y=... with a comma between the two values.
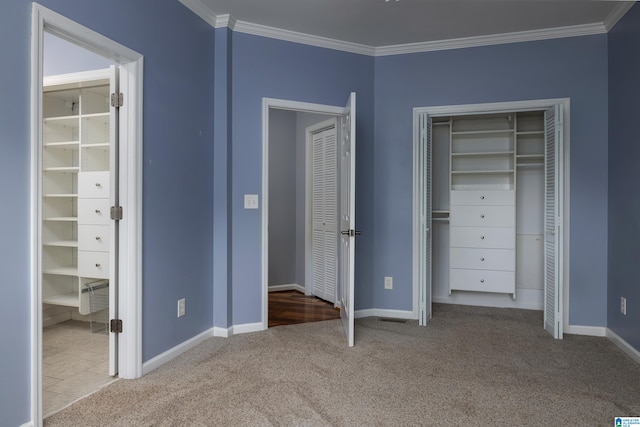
x=324, y=214
x=423, y=186
x=553, y=316
x=348, y=218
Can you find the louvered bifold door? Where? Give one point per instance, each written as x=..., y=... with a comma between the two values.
x=425, y=236
x=325, y=214
x=553, y=317
x=317, y=209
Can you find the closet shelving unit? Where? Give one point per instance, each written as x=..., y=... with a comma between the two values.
x=486, y=153
x=76, y=123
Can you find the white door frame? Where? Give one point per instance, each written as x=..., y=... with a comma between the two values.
x=497, y=107
x=130, y=248
x=309, y=131
x=280, y=104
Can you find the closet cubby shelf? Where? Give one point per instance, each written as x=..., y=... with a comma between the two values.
x=62, y=219
x=62, y=271
x=58, y=119
x=61, y=195
x=72, y=169
x=62, y=243
x=70, y=300
x=63, y=144
x=481, y=153
x=530, y=132
x=483, y=172
x=482, y=132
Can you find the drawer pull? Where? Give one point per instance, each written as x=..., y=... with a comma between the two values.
x=481, y=237
x=97, y=265
x=98, y=185
x=98, y=238
x=481, y=280
x=482, y=259
x=98, y=211
x=481, y=215
x=481, y=197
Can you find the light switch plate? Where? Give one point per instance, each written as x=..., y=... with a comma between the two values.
x=251, y=201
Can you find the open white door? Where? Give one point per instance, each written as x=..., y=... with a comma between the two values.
x=554, y=184
x=423, y=222
x=347, y=217
x=114, y=141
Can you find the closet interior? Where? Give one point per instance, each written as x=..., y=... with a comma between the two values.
x=488, y=188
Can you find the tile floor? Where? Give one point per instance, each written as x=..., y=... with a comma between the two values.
x=75, y=363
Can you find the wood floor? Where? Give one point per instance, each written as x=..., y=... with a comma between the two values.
x=291, y=307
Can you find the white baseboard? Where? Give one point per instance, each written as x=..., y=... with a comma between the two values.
x=623, y=345
x=592, y=331
x=246, y=328
x=221, y=332
x=27, y=424
x=174, y=352
x=289, y=287
x=526, y=299
x=380, y=312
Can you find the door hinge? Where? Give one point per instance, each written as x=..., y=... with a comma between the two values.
x=116, y=326
x=117, y=100
x=116, y=213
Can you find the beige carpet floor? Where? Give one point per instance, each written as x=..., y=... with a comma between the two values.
x=471, y=366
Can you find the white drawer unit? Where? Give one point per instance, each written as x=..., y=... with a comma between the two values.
x=93, y=185
x=94, y=211
x=482, y=280
x=483, y=259
x=483, y=198
x=93, y=264
x=482, y=237
x=93, y=238
x=483, y=216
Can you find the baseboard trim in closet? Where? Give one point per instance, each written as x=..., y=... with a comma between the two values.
x=380, y=312
x=526, y=299
x=288, y=287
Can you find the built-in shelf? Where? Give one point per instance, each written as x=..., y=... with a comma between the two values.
x=62, y=196
x=61, y=119
x=63, y=144
x=62, y=243
x=481, y=172
x=530, y=132
x=71, y=169
x=62, y=271
x=62, y=218
x=70, y=300
x=481, y=153
x=482, y=132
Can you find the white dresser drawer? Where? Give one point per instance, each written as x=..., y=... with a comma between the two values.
x=482, y=237
x=483, y=259
x=483, y=216
x=482, y=281
x=93, y=185
x=94, y=238
x=94, y=211
x=483, y=197
x=93, y=264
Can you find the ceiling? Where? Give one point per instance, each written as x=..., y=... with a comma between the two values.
x=377, y=23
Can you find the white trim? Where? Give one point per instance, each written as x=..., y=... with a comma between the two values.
x=281, y=104
x=221, y=332
x=592, y=331
x=199, y=8
x=623, y=345
x=381, y=312
x=176, y=351
x=617, y=13
x=538, y=104
x=130, y=297
x=307, y=39
x=528, y=299
x=218, y=21
x=493, y=39
x=246, y=328
x=289, y=287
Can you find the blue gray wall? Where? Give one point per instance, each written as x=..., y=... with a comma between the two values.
x=264, y=67
x=572, y=67
x=178, y=174
x=283, y=232
x=61, y=57
x=624, y=176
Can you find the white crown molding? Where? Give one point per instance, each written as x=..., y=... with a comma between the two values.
x=199, y=8
x=220, y=21
x=493, y=39
x=617, y=13
x=293, y=36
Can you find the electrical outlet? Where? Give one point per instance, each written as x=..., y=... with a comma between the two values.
x=623, y=305
x=181, y=307
x=251, y=201
x=388, y=282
